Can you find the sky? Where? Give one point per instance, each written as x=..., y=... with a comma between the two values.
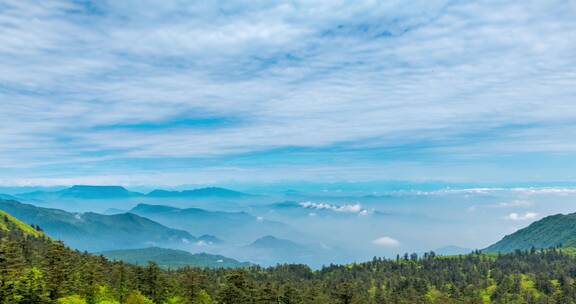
x=184, y=92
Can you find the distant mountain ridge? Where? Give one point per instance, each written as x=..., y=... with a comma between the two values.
x=119, y=192
x=209, y=240
x=268, y=249
x=552, y=231
x=271, y=242
x=202, y=192
x=83, y=192
x=172, y=258
x=97, y=232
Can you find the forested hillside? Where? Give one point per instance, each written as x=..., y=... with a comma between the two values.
x=552, y=231
x=36, y=269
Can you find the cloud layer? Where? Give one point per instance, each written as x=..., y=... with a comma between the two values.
x=111, y=88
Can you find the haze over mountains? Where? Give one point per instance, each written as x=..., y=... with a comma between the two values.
x=144, y=225
x=237, y=226
x=96, y=232
x=114, y=192
x=312, y=226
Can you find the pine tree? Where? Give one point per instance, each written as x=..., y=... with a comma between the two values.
x=57, y=269
x=154, y=283
x=32, y=289
x=12, y=265
x=235, y=289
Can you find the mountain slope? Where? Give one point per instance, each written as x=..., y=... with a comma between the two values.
x=97, y=232
x=9, y=223
x=551, y=231
x=7, y=197
x=171, y=258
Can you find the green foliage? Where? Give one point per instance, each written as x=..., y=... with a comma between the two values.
x=32, y=288
x=73, y=299
x=175, y=300
x=235, y=289
x=202, y=298
x=103, y=295
x=137, y=298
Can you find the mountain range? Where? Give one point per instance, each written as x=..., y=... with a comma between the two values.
x=238, y=226
x=96, y=232
x=119, y=192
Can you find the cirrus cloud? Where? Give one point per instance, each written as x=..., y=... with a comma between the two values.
x=88, y=85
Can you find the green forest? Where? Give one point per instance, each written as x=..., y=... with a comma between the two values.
x=36, y=269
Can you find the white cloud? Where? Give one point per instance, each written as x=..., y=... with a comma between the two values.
x=386, y=241
x=522, y=217
x=348, y=208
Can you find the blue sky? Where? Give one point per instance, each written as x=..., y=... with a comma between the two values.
x=186, y=92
